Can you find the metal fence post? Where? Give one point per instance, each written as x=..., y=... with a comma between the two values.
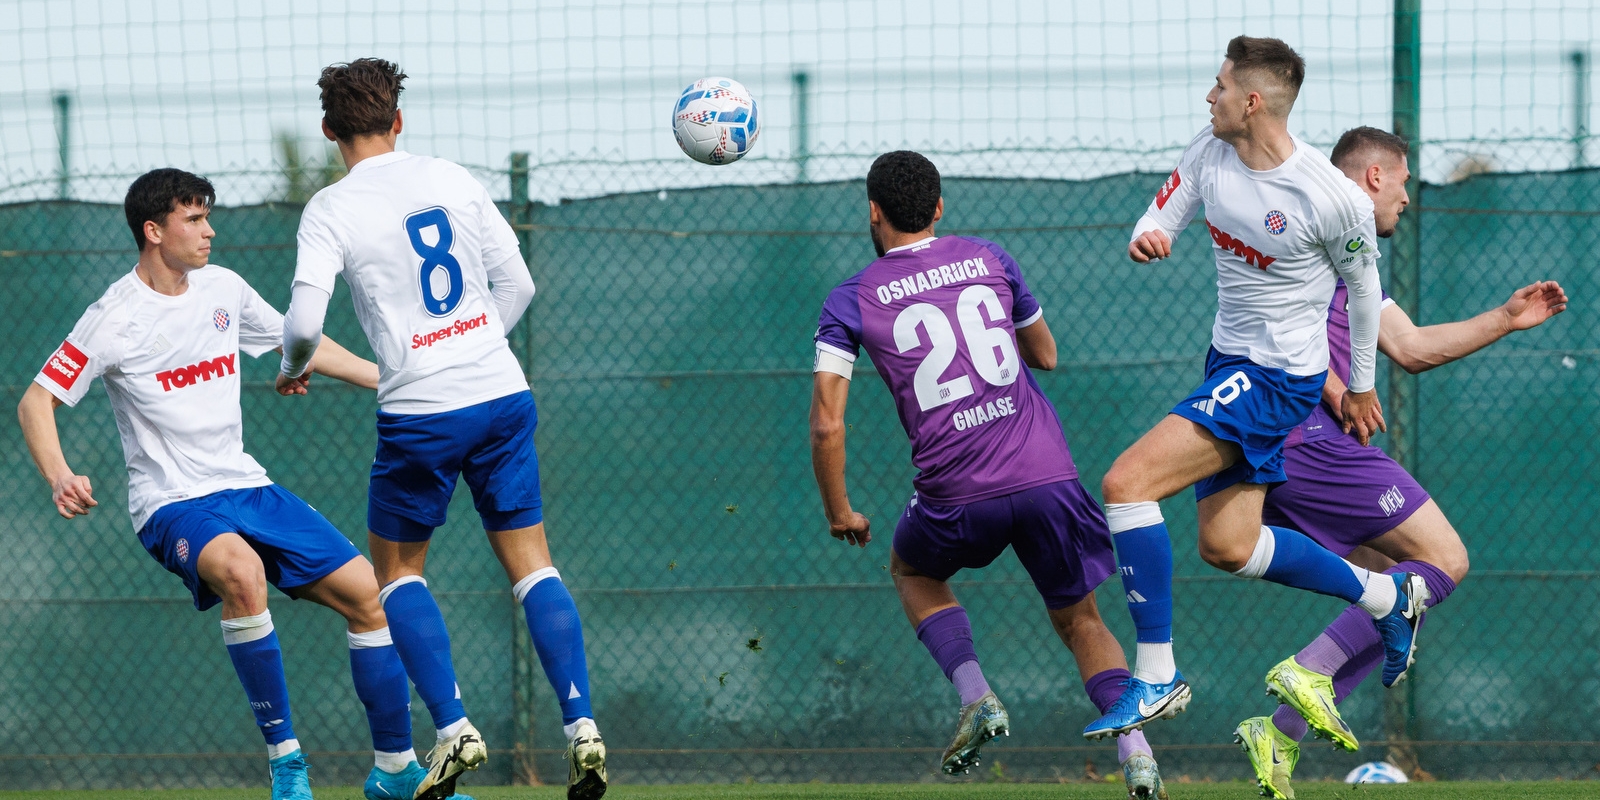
x=1405, y=286
x=524, y=771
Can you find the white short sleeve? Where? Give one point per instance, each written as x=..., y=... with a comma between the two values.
x=320, y=254
x=93, y=348
x=260, y=325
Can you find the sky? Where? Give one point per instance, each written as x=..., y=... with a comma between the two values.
x=1043, y=88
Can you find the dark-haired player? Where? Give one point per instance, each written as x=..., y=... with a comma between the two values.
x=1285, y=225
x=166, y=339
x=951, y=326
x=1347, y=495
x=419, y=242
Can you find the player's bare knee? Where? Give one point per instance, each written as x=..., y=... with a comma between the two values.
x=366, y=615
x=241, y=581
x=1225, y=554
x=1122, y=485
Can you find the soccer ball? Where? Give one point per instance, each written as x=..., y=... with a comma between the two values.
x=1376, y=772
x=715, y=121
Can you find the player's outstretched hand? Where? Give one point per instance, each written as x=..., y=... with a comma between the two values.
x=1150, y=246
x=1363, y=415
x=1531, y=305
x=856, y=530
x=73, y=495
x=289, y=387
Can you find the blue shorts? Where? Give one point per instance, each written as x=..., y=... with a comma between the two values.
x=420, y=456
x=296, y=544
x=1057, y=530
x=1254, y=407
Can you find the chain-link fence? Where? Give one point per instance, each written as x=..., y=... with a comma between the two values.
x=669, y=348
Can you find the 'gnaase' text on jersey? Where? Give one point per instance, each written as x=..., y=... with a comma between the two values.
x=171, y=368
x=939, y=321
x=415, y=238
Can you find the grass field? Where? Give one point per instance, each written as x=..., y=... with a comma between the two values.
x=987, y=791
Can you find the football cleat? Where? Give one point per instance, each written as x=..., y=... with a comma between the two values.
x=1311, y=694
x=290, y=778
x=449, y=759
x=1399, y=627
x=1272, y=755
x=400, y=785
x=1140, y=703
x=586, y=764
x=981, y=720
x=1143, y=778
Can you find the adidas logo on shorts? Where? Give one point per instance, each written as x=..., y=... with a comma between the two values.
x=1208, y=405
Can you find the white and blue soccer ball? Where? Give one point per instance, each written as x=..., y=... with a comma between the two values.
x=715, y=121
x=1376, y=772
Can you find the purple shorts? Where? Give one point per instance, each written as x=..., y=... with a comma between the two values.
x=1342, y=494
x=1057, y=530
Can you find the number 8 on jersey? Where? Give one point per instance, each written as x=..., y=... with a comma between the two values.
x=438, y=266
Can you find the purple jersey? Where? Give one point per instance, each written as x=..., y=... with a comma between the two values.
x=939, y=321
x=1323, y=422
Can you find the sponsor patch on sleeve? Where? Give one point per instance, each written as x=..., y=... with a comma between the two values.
x=66, y=365
x=1167, y=189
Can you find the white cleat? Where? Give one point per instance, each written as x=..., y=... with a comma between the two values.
x=449, y=759
x=586, y=764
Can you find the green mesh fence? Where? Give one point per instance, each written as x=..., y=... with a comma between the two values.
x=669, y=348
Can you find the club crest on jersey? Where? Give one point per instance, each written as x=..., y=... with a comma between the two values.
x=182, y=548
x=220, y=319
x=1277, y=223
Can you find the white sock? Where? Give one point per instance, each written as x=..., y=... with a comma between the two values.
x=452, y=729
x=1378, y=595
x=1153, y=662
x=393, y=762
x=572, y=730
x=281, y=749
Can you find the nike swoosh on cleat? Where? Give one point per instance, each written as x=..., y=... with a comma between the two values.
x=1150, y=711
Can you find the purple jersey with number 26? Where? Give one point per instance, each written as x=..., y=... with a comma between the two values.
x=939, y=321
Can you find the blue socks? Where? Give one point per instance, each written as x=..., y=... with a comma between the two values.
x=424, y=646
x=253, y=648
x=558, y=638
x=1144, y=558
x=1291, y=558
x=380, y=680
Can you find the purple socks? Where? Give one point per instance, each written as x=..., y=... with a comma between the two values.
x=948, y=636
x=1350, y=648
x=1103, y=689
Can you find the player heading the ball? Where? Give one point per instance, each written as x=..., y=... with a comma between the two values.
x=437, y=279
x=953, y=330
x=1285, y=225
x=166, y=339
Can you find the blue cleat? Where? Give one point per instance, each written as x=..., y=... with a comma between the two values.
x=1141, y=702
x=290, y=780
x=400, y=785
x=1399, y=627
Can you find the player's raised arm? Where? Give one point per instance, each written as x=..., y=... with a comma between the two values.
x=1174, y=205
x=1418, y=349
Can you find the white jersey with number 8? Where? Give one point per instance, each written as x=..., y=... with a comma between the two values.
x=417, y=239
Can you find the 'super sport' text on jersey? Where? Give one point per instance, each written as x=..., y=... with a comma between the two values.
x=415, y=238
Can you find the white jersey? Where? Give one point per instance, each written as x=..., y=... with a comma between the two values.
x=1282, y=238
x=171, y=368
x=417, y=238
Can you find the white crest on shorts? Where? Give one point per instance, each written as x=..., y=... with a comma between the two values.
x=1391, y=501
x=1207, y=405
